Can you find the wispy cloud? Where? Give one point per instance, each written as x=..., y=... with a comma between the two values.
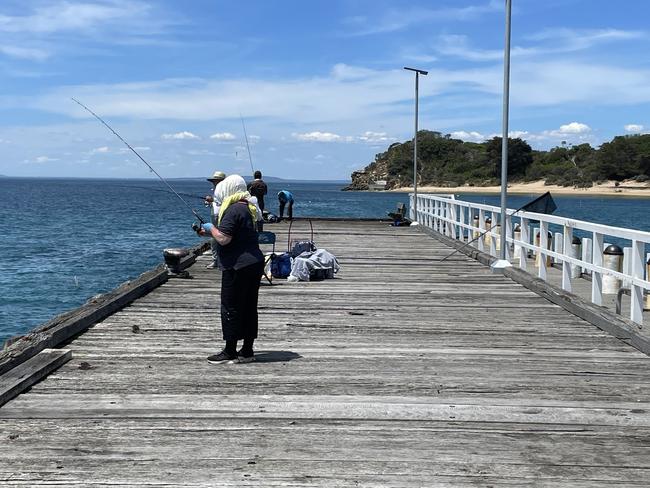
x=19, y=52
x=375, y=137
x=577, y=39
x=44, y=28
x=350, y=93
x=398, y=19
x=544, y=43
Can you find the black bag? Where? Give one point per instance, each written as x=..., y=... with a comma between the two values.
x=295, y=247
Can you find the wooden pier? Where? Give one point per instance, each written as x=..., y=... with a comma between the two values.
x=401, y=372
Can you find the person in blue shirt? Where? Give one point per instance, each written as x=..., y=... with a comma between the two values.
x=285, y=198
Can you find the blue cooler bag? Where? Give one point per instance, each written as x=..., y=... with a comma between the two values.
x=281, y=265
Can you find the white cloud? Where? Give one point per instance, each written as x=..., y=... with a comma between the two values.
x=633, y=128
x=223, y=136
x=574, y=128
x=318, y=136
x=103, y=149
x=471, y=136
x=181, y=135
x=254, y=139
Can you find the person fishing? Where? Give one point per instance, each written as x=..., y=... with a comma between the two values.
x=242, y=265
x=257, y=188
x=210, y=200
x=285, y=198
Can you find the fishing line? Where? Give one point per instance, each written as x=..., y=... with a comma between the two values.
x=141, y=158
x=250, y=158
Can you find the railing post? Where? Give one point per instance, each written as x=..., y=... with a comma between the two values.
x=481, y=227
x=493, y=239
x=587, y=253
x=596, y=277
x=454, y=218
x=508, y=234
x=543, y=244
x=411, y=212
x=566, y=266
x=636, y=307
x=436, y=203
x=525, y=237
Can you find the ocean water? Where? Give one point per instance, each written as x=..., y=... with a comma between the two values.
x=66, y=240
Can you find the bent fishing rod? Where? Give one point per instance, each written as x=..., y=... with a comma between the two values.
x=250, y=158
x=549, y=207
x=141, y=159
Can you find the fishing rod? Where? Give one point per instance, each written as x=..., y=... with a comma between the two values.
x=542, y=204
x=141, y=159
x=250, y=158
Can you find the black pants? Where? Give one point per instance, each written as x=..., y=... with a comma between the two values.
x=289, y=209
x=239, y=291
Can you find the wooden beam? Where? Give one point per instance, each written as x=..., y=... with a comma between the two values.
x=18, y=379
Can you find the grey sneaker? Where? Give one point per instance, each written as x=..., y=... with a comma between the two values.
x=222, y=357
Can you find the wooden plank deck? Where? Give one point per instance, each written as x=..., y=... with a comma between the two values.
x=401, y=372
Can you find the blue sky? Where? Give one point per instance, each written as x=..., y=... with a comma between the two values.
x=320, y=84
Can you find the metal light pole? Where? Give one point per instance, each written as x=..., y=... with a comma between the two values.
x=503, y=262
x=418, y=72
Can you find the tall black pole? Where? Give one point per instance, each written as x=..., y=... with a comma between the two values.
x=418, y=72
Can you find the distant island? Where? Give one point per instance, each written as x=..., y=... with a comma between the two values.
x=448, y=163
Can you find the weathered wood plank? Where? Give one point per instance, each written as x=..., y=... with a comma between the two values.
x=30, y=372
x=401, y=372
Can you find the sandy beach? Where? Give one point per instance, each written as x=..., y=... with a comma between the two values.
x=628, y=188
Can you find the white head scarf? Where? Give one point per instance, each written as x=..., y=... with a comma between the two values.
x=231, y=185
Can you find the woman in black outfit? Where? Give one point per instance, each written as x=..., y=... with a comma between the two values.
x=242, y=267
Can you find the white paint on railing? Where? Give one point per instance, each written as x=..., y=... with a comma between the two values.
x=466, y=220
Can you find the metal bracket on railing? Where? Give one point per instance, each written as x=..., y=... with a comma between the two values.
x=619, y=297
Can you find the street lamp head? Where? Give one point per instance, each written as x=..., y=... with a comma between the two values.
x=420, y=71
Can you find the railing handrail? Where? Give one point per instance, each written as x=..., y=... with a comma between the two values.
x=609, y=230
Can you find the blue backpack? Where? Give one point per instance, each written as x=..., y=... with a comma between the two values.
x=281, y=265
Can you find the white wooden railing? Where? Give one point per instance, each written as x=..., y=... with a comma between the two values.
x=458, y=219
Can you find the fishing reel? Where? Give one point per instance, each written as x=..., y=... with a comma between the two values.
x=197, y=226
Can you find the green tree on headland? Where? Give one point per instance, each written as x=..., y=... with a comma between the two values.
x=445, y=161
